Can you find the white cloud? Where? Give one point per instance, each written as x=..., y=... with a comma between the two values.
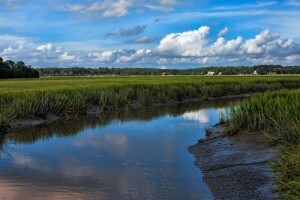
x=189, y=43
x=138, y=55
x=223, y=31
x=45, y=47
x=270, y=44
x=107, y=8
x=197, y=44
x=201, y=116
x=223, y=47
x=7, y=50
x=106, y=56
x=158, y=7
x=66, y=57
x=121, y=56
x=117, y=8
x=185, y=49
x=163, y=67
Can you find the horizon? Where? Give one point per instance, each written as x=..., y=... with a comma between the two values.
x=165, y=34
x=202, y=67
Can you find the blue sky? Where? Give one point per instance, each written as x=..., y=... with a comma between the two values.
x=153, y=33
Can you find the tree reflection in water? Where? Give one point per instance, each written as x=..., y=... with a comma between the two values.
x=72, y=126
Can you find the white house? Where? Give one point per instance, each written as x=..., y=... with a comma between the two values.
x=255, y=72
x=210, y=73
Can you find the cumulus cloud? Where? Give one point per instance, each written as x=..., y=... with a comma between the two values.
x=197, y=44
x=122, y=56
x=187, y=49
x=189, y=43
x=128, y=32
x=270, y=44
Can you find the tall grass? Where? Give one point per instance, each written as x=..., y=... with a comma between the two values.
x=278, y=115
x=20, y=99
x=275, y=113
x=287, y=168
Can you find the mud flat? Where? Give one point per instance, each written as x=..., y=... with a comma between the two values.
x=236, y=167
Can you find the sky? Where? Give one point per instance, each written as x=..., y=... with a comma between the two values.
x=150, y=33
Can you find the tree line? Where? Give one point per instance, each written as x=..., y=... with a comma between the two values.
x=10, y=69
x=229, y=70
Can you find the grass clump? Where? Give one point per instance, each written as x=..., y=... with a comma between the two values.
x=287, y=177
x=278, y=115
x=275, y=113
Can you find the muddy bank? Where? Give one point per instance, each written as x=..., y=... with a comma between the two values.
x=236, y=167
x=93, y=110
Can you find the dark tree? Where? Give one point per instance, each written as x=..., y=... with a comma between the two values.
x=10, y=69
x=228, y=70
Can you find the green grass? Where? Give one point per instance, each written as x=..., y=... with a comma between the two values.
x=277, y=114
x=31, y=98
x=287, y=168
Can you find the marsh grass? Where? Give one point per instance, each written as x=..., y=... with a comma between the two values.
x=22, y=99
x=276, y=114
x=287, y=177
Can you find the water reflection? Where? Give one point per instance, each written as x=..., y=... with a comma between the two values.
x=137, y=154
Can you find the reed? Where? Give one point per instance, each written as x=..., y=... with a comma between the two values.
x=23, y=99
x=277, y=114
x=287, y=168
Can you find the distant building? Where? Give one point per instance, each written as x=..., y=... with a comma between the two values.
x=210, y=73
x=220, y=73
x=255, y=72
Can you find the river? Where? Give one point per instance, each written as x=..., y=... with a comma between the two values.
x=129, y=155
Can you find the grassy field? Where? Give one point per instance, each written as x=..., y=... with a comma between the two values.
x=287, y=168
x=30, y=98
x=276, y=114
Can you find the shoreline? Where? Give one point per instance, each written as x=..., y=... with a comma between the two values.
x=93, y=110
x=236, y=167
